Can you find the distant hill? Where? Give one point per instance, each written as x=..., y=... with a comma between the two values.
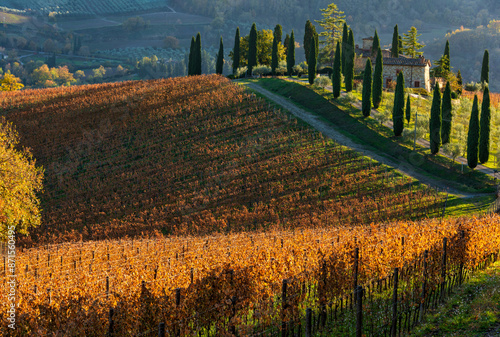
x=466, y=52
x=85, y=7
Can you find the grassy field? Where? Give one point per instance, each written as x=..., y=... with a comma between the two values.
x=12, y=19
x=472, y=311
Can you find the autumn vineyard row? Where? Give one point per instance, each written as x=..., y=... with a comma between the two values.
x=217, y=284
x=193, y=155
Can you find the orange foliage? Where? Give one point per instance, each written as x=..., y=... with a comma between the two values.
x=209, y=271
x=192, y=155
x=494, y=97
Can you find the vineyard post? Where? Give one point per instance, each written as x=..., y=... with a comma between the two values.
x=111, y=330
x=308, y=322
x=161, y=330
x=443, y=272
x=177, y=303
x=462, y=257
x=359, y=311
x=444, y=208
x=283, y=308
x=395, y=304
x=107, y=286
x=233, y=304
x=424, y=285
x=356, y=257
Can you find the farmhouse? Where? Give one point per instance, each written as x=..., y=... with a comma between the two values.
x=415, y=70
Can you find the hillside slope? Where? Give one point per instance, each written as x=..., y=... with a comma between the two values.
x=191, y=156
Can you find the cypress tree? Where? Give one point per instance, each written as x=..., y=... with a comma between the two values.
x=191, y=57
x=286, y=43
x=485, y=70
x=399, y=105
x=197, y=56
x=484, y=135
x=312, y=60
x=274, y=54
x=309, y=35
x=236, y=51
x=473, y=136
x=459, y=82
x=220, y=59
x=395, y=42
x=408, y=110
x=252, y=49
x=345, y=41
x=378, y=80
x=278, y=33
x=337, y=71
x=435, y=121
x=376, y=44
x=446, y=115
x=290, y=54
x=447, y=67
x=367, y=89
x=349, y=63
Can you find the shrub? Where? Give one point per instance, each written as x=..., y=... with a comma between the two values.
x=261, y=70
x=473, y=86
x=241, y=71
x=298, y=70
x=326, y=71
x=323, y=81
x=349, y=98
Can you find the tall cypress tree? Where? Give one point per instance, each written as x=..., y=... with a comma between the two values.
x=395, y=42
x=274, y=54
x=408, y=110
x=309, y=35
x=290, y=54
x=435, y=121
x=220, y=59
x=484, y=135
x=197, y=55
x=447, y=67
x=399, y=105
x=367, y=89
x=376, y=43
x=236, y=51
x=252, y=49
x=485, y=70
x=446, y=115
x=459, y=82
x=337, y=71
x=312, y=60
x=473, y=136
x=378, y=80
x=345, y=41
x=191, y=57
x=349, y=63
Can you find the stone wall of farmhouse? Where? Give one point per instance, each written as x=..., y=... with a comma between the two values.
x=415, y=76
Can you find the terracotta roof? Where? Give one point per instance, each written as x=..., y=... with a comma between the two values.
x=368, y=38
x=406, y=61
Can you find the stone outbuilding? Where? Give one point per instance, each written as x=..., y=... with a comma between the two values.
x=416, y=70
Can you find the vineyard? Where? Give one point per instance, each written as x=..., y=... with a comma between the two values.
x=196, y=156
x=494, y=97
x=88, y=7
x=249, y=283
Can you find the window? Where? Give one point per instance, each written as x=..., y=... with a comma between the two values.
x=417, y=84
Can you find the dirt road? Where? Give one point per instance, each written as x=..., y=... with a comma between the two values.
x=332, y=133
